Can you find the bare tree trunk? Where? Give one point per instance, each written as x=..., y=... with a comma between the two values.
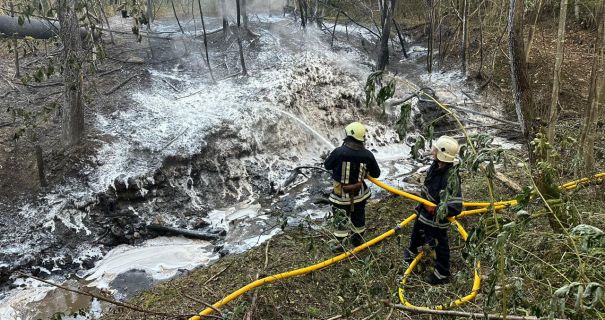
x=245, y=13
x=107, y=20
x=554, y=100
x=149, y=13
x=383, y=56
x=176, y=16
x=303, y=19
x=401, y=39
x=226, y=30
x=239, y=40
x=40, y=165
x=73, y=113
x=596, y=95
x=199, y=4
x=481, y=57
x=430, y=36
x=532, y=30
x=464, y=36
x=576, y=9
x=524, y=103
x=531, y=116
x=334, y=30
x=15, y=46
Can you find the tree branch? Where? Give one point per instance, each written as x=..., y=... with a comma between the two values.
x=346, y=15
x=114, y=89
x=450, y=313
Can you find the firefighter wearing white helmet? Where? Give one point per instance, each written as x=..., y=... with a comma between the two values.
x=446, y=149
x=350, y=164
x=441, y=187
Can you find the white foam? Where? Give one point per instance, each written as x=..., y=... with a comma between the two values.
x=160, y=258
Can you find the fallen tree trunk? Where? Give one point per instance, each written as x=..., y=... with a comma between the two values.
x=184, y=232
x=36, y=28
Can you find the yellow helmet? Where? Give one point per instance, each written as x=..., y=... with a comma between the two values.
x=447, y=148
x=356, y=130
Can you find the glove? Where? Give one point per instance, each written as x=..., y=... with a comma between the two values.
x=429, y=209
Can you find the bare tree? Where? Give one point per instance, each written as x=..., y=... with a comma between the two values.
x=481, y=54
x=532, y=30
x=576, y=9
x=303, y=14
x=245, y=13
x=199, y=4
x=532, y=116
x=383, y=54
x=524, y=103
x=69, y=32
x=401, y=40
x=176, y=17
x=15, y=45
x=40, y=165
x=463, y=45
x=149, y=14
x=596, y=95
x=430, y=36
x=239, y=39
x=226, y=30
x=102, y=9
x=554, y=100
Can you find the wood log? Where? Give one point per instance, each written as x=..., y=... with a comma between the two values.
x=184, y=232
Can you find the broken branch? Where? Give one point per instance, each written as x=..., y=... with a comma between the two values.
x=114, y=89
x=461, y=313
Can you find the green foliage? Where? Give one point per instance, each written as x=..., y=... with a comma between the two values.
x=404, y=120
x=483, y=153
x=370, y=87
x=524, y=197
x=384, y=93
x=451, y=190
x=30, y=120
x=417, y=147
x=313, y=311
x=546, y=166
x=57, y=316
x=590, y=237
x=584, y=296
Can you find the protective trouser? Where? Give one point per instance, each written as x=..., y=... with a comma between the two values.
x=342, y=214
x=437, y=239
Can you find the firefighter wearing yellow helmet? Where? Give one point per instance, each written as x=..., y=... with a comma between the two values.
x=442, y=187
x=350, y=164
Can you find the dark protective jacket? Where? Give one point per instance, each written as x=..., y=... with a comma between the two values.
x=435, y=187
x=351, y=163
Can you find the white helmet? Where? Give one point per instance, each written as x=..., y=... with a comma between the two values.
x=447, y=149
x=356, y=130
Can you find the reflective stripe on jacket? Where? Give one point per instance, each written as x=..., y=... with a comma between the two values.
x=351, y=163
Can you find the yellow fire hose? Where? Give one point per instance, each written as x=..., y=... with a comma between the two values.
x=302, y=271
x=455, y=303
x=325, y=263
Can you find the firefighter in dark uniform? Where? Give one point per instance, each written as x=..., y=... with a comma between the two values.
x=431, y=226
x=351, y=163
